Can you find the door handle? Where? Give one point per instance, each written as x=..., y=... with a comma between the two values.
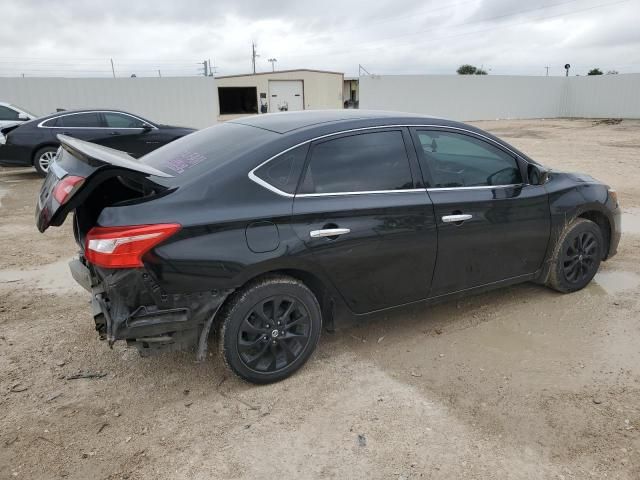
x=457, y=218
x=328, y=232
x=114, y=133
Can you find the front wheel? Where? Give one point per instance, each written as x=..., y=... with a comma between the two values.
x=43, y=159
x=577, y=256
x=269, y=329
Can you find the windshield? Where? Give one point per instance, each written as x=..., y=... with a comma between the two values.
x=207, y=149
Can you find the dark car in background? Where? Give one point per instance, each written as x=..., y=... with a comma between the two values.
x=266, y=226
x=35, y=143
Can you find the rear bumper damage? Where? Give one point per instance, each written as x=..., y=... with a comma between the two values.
x=130, y=305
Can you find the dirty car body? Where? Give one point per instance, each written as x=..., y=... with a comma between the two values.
x=349, y=211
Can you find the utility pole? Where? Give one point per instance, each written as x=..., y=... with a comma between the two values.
x=113, y=70
x=273, y=63
x=206, y=68
x=253, y=56
x=159, y=74
x=547, y=71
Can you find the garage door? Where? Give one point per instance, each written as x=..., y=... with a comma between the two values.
x=285, y=96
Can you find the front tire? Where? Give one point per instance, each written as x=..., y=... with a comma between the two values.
x=43, y=158
x=577, y=256
x=269, y=329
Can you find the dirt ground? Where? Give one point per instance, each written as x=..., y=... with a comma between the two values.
x=521, y=383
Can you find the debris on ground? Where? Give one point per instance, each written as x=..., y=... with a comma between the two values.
x=362, y=440
x=18, y=387
x=53, y=396
x=607, y=121
x=81, y=374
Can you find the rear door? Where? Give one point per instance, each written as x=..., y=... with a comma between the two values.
x=492, y=226
x=364, y=216
x=86, y=126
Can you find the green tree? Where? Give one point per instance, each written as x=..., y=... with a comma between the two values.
x=466, y=69
x=480, y=71
x=595, y=71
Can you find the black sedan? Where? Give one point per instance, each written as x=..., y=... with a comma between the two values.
x=264, y=227
x=35, y=143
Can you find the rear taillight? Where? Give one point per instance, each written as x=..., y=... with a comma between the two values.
x=123, y=247
x=66, y=187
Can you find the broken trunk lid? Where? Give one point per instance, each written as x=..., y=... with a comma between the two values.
x=78, y=169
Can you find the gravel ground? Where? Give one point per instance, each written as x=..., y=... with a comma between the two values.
x=518, y=383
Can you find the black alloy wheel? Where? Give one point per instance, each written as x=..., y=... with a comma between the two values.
x=274, y=333
x=269, y=328
x=580, y=257
x=577, y=256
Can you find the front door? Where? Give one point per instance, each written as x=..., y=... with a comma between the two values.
x=492, y=226
x=128, y=134
x=366, y=219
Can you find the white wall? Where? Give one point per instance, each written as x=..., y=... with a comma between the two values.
x=605, y=96
x=472, y=97
x=182, y=101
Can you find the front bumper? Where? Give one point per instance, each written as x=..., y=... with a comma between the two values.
x=130, y=305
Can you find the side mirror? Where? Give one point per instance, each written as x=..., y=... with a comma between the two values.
x=146, y=127
x=23, y=117
x=538, y=175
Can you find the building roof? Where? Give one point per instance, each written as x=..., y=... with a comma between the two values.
x=281, y=71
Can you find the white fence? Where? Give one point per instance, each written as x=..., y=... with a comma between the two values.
x=184, y=101
x=475, y=97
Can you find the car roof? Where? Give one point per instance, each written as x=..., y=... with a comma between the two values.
x=284, y=122
x=86, y=110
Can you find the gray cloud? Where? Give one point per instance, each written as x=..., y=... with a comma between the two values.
x=66, y=37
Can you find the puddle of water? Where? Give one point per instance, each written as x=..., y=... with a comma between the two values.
x=617, y=282
x=631, y=221
x=54, y=278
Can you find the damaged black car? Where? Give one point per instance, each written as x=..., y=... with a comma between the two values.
x=263, y=228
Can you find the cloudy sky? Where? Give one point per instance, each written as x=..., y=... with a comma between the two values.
x=78, y=37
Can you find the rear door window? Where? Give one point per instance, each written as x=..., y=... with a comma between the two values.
x=365, y=162
x=76, y=120
x=283, y=172
x=458, y=160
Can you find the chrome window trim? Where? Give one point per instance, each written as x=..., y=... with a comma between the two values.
x=478, y=187
x=41, y=124
x=367, y=192
x=253, y=177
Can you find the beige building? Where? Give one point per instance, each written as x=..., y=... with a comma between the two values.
x=286, y=90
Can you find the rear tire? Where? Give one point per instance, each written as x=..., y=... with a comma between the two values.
x=43, y=158
x=577, y=256
x=269, y=329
